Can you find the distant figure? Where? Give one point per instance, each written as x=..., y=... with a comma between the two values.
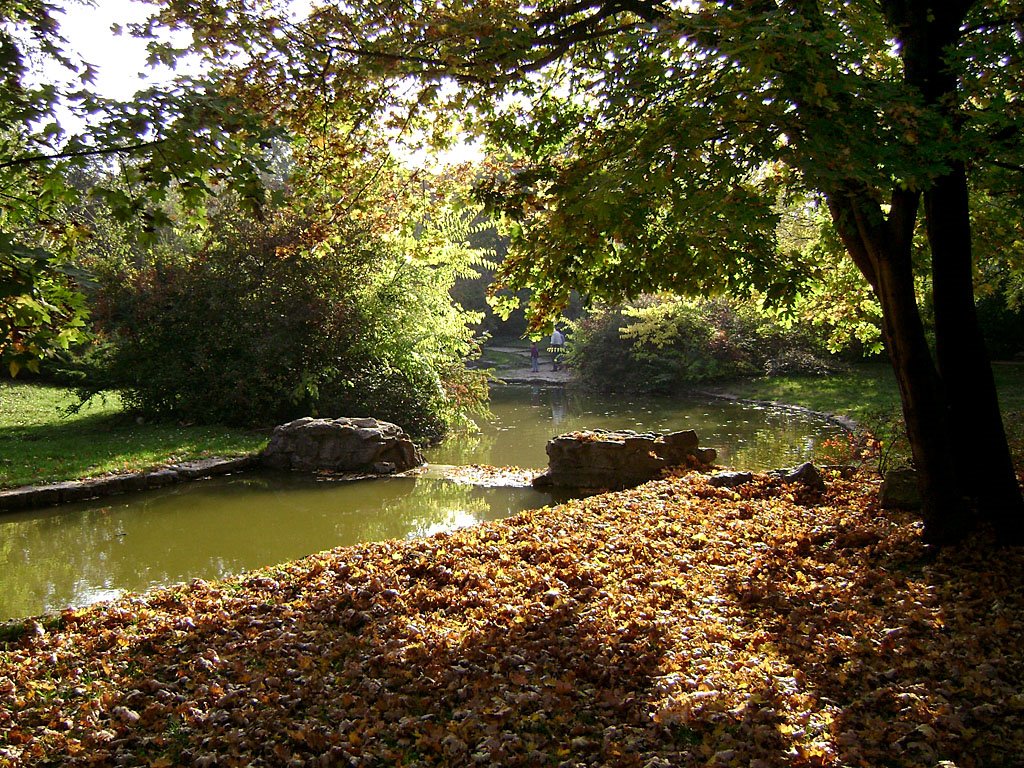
x=534, y=357
x=557, y=342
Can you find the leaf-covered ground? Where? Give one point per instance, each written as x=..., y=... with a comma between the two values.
x=673, y=625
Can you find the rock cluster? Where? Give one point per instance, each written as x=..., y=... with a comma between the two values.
x=341, y=445
x=599, y=460
x=805, y=473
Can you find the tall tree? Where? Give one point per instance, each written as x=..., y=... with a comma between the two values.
x=189, y=134
x=647, y=144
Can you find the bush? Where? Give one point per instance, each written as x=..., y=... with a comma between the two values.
x=659, y=343
x=257, y=327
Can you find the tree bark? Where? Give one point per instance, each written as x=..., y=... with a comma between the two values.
x=927, y=32
x=881, y=247
x=975, y=418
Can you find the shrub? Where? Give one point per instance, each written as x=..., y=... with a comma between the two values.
x=659, y=343
x=258, y=327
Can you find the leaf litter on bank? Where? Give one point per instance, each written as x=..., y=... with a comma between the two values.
x=674, y=624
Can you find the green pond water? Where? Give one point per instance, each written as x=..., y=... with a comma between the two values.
x=82, y=553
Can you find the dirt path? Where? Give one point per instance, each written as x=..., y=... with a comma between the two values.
x=524, y=374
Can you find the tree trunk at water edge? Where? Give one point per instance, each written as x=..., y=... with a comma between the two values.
x=975, y=419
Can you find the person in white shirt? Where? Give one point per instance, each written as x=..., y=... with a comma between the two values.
x=557, y=342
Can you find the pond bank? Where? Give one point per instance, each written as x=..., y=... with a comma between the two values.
x=671, y=625
x=66, y=492
x=723, y=394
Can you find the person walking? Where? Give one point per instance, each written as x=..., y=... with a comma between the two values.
x=557, y=342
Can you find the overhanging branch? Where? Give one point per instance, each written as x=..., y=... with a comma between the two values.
x=40, y=158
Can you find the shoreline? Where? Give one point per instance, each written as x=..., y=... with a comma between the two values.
x=26, y=497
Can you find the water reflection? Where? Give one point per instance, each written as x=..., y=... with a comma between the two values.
x=81, y=553
x=77, y=554
x=525, y=418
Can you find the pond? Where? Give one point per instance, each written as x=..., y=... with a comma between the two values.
x=81, y=553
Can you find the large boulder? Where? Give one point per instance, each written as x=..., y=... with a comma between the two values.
x=365, y=446
x=600, y=460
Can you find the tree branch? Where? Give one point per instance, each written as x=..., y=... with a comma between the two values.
x=1008, y=166
x=31, y=159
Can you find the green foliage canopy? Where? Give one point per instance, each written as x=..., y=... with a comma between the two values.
x=255, y=322
x=190, y=135
x=642, y=144
x=665, y=343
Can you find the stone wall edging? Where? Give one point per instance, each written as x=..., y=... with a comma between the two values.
x=51, y=494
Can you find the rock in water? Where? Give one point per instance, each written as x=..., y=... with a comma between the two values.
x=600, y=460
x=341, y=445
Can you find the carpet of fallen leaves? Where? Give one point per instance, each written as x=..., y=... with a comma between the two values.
x=672, y=625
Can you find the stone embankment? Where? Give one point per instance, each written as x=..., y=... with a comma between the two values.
x=359, y=447
x=35, y=496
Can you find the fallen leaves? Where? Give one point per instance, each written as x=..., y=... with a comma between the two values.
x=674, y=624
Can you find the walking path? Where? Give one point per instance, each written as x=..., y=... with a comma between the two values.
x=524, y=375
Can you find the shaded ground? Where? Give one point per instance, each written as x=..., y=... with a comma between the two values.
x=672, y=625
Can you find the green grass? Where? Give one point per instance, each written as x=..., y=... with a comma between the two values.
x=863, y=392
x=40, y=442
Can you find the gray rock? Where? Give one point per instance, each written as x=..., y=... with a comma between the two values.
x=805, y=473
x=899, y=490
x=601, y=460
x=730, y=479
x=341, y=445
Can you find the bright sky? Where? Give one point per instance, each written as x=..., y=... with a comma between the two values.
x=120, y=59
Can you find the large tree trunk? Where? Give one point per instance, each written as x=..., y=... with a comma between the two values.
x=946, y=513
x=881, y=247
x=927, y=32
x=975, y=418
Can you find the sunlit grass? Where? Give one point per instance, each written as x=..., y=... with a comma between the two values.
x=41, y=442
x=864, y=392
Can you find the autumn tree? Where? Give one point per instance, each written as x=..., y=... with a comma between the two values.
x=187, y=135
x=648, y=144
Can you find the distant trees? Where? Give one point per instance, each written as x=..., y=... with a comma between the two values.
x=647, y=145
x=664, y=343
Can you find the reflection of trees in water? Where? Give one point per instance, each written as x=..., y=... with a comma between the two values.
x=228, y=525
x=46, y=562
x=77, y=554
x=463, y=448
x=527, y=417
x=780, y=439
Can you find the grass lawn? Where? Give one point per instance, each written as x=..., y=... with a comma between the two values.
x=40, y=442
x=863, y=392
